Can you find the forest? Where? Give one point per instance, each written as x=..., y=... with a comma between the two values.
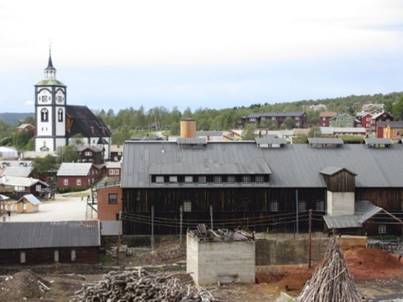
x=135, y=122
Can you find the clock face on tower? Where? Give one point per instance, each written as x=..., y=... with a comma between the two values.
x=44, y=98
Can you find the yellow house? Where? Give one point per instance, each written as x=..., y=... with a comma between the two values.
x=393, y=130
x=27, y=204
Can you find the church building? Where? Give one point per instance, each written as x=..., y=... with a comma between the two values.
x=59, y=124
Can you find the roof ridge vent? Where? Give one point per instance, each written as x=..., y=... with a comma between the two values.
x=378, y=143
x=270, y=141
x=325, y=142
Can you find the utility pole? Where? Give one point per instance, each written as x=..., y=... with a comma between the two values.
x=310, y=240
x=296, y=212
x=211, y=217
x=152, y=228
x=181, y=224
x=119, y=238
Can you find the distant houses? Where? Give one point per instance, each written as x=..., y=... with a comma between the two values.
x=278, y=119
x=325, y=117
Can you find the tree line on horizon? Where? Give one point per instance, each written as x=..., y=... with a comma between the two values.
x=132, y=122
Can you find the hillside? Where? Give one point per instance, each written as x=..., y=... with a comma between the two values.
x=13, y=118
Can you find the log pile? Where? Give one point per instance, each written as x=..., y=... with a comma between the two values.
x=140, y=285
x=205, y=234
x=331, y=281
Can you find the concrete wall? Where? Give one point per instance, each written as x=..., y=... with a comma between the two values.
x=220, y=261
x=340, y=203
x=287, y=249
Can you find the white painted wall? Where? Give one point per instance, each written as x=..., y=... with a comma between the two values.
x=220, y=261
x=40, y=142
x=44, y=128
x=60, y=126
x=340, y=203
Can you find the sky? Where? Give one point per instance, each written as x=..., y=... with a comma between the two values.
x=207, y=53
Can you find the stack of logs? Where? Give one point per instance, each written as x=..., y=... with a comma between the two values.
x=206, y=234
x=140, y=285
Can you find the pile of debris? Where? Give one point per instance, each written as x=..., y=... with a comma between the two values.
x=22, y=286
x=205, y=234
x=140, y=285
x=331, y=281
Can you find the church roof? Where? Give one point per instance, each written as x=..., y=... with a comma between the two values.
x=85, y=122
x=49, y=83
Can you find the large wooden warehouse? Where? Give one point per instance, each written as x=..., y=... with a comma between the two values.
x=266, y=185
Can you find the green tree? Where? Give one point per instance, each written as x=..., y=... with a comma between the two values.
x=67, y=154
x=268, y=124
x=397, y=109
x=248, y=132
x=43, y=165
x=288, y=123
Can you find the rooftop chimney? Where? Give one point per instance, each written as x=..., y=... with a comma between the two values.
x=188, y=128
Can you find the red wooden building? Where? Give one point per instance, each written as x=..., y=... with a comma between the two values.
x=76, y=176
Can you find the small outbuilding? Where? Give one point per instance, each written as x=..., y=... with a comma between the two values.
x=49, y=242
x=27, y=204
x=221, y=256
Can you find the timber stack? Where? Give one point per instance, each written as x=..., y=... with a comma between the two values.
x=140, y=285
x=331, y=281
x=205, y=234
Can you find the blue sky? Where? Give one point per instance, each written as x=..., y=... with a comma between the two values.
x=200, y=53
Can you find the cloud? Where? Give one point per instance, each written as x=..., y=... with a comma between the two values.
x=128, y=32
x=29, y=103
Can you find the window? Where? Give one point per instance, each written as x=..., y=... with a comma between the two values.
x=78, y=182
x=187, y=206
x=381, y=229
x=230, y=178
x=188, y=179
x=66, y=182
x=159, y=179
x=44, y=115
x=73, y=255
x=302, y=206
x=274, y=206
x=246, y=178
x=60, y=115
x=259, y=178
x=88, y=153
x=202, y=179
x=56, y=256
x=320, y=205
x=112, y=198
x=44, y=98
x=173, y=178
x=217, y=179
x=23, y=257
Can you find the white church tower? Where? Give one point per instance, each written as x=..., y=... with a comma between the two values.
x=50, y=111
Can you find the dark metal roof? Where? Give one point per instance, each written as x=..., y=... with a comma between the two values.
x=270, y=140
x=325, y=141
x=274, y=114
x=333, y=170
x=26, y=235
x=364, y=210
x=296, y=166
x=378, y=141
x=86, y=123
x=191, y=141
x=211, y=168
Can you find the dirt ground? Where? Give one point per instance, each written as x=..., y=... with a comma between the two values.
x=377, y=275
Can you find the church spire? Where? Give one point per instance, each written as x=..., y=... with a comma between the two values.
x=50, y=71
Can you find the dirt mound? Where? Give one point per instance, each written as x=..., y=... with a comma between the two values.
x=370, y=258
x=21, y=286
x=286, y=278
x=366, y=263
